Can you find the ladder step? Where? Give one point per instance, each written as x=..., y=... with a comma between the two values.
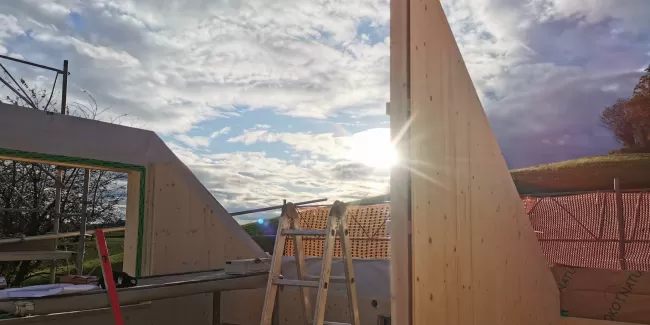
x=334, y=323
x=296, y=283
x=304, y=232
x=333, y=279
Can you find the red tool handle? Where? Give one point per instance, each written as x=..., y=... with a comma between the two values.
x=107, y=271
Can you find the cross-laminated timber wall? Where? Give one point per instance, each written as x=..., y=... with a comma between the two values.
x=467, y=252
x=173, y=222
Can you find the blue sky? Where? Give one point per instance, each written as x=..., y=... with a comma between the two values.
x=267, y=100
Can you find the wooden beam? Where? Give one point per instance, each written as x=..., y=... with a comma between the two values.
x=34, y=256
x=63, y=164
x=132, y=223
x=400, y=213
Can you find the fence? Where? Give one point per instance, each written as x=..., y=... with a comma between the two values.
x=367, y=226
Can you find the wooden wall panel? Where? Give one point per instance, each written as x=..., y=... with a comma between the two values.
x=398, y=109
x=475, y=257
x=585, y=321
x=188, y=231
x=132, y=223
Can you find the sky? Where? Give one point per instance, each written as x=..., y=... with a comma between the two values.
x=273, y=99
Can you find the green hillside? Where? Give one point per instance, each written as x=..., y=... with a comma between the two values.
x=585, y=174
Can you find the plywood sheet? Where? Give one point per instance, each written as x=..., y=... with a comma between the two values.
x=398, y=109
x=475, y=258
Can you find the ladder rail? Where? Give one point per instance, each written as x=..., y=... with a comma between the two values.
x=326, y=267
x=294, y=216
x=276, y=264
x=346, y=249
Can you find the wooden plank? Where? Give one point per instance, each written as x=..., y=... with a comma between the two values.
x=132, y=223
x=63, y=164
x=475, y=257
x=35, y=255
x=400, y=301
x=148, y=231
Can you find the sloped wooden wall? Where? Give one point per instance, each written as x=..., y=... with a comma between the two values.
x=474, y=255
x=187, y=230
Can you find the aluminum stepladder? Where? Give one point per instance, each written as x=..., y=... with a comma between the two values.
x=336, y=227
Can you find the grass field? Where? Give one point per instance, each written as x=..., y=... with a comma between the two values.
x=585, y=174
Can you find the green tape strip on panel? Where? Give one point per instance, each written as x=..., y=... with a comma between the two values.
x=95, y=163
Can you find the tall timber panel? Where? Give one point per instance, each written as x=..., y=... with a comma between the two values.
x=474, y=255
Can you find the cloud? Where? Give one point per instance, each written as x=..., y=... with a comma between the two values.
x=326, y=144
x=245, y=180
x=222, y=131
x=370, y=147
x=546, y=69
x=176, y=64
x=193, y=142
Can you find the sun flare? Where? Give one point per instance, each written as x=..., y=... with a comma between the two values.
x=373, y=148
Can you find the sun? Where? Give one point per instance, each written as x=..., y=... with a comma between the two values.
x=373, y=148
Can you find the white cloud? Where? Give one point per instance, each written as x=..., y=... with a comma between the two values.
x=371, y=147
x=193, y=142
x=321, y=143
x=243, y=180
x=222, y=131
x=176, y=64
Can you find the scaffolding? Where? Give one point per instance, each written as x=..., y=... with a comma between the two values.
x=22, y=94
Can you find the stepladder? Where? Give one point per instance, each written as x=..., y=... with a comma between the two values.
x=289, y=226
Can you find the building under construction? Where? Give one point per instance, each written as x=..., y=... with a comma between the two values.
x=460, y=248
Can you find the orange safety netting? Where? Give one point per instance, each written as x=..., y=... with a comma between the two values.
x=578, y=230
x=367, y=231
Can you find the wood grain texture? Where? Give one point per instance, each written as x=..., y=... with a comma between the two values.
x=132, y=223
x=586, y=321
x=38, y=132
x=475, y=257
x=188, y=230
x=398, y=109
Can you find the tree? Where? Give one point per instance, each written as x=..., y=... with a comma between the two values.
x=629, y=119
x=27, y=186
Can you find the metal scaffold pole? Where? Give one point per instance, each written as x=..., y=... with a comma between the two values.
x=82, y=226
x=57, y=215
